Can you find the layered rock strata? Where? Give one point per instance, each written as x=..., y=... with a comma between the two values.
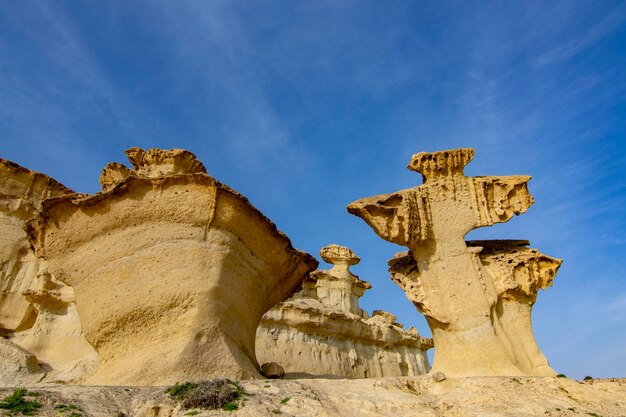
x=38, y=315
x=323, y=331
x=172, y=270
x=476, y=297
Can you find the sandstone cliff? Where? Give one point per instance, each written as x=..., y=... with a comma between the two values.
x=323, y=331
x=172, y=270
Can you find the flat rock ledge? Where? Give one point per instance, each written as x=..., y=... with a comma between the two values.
x=393, y=396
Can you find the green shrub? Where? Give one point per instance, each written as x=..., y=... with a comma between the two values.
x=285, y=400
x=561, y=376
x=63, y=407
x=588, y=378
x=16, y=403
x=179, y=391
x=239, y=391
x=231, y=406
x=212, y=394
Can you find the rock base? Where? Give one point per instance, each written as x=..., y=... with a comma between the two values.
x=394, y=396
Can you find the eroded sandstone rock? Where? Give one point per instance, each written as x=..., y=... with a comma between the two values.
x=476, y=297
x=322, y=330
x=37, y=312
x=272, y=370
x=172, y=270
x=17, y=365
x=21, y=194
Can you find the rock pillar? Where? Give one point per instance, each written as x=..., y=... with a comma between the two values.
x=445, y=278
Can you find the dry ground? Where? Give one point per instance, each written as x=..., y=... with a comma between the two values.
x=397, y=397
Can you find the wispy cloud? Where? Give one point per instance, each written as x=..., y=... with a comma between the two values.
x=55, y=85
x=587, y=38
x=214, y=51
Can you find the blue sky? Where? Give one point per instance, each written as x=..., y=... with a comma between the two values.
x=306, y=106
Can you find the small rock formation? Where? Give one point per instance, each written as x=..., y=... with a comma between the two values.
x=476, y=296
x=272, y=370
x=17, y=365
x=172, y=270
x=323, y=331
x=37, y=312
x=339, y=287
x=439, y=376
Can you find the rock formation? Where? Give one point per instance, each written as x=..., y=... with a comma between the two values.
x=476, y=297
x=21, y=194
x=323, y=331
x=37, y=312
x=172, y=270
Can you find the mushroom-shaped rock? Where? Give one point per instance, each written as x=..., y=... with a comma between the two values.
x=339, y=255
x=338, y=286
x=444, y=277
x=322, y=330
x=172, y=270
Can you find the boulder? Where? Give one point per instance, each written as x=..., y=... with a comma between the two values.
x=272, y=370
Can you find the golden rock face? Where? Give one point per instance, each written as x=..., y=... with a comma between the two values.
x=169, y=270
x=164, y=276
x=476, y=297
x=37, y=312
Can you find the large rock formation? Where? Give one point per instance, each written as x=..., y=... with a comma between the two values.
x=37, y=312
x=323, y=331
x=477, y=297
x=172, y=270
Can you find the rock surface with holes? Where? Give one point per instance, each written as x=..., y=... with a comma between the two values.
x=476, y=297
x=172, y=270
x=323, y=331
